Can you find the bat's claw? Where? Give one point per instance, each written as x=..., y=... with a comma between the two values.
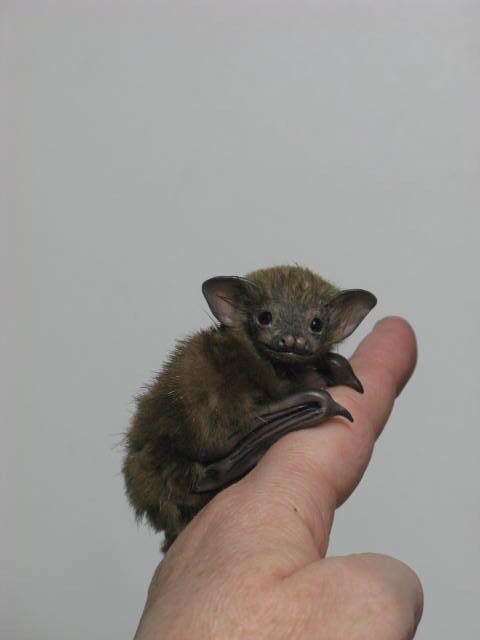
x=325, y=405
x=338, y=371
x=341, y=411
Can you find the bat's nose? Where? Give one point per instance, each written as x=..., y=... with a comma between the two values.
x=287, y=341
x=300, y=343
x=291, y=343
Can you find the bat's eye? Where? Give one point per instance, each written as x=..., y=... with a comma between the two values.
x=265, y=318
x=316, y=325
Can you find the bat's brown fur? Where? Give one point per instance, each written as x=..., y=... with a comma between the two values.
x=209, y=389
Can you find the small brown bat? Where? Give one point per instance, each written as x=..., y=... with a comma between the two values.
x=227, y=393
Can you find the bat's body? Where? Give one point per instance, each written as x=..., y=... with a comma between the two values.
x=228, y=393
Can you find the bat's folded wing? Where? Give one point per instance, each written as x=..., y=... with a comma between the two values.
x=306, y=410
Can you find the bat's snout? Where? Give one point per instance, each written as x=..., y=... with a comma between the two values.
x=294, y=344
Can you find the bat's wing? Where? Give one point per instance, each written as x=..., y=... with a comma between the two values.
x=297, y=412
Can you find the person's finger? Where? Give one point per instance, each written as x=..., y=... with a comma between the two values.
x=310, y=472
x=379, y=597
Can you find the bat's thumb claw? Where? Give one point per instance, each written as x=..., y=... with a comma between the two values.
x=338, y=410
x=356, y=385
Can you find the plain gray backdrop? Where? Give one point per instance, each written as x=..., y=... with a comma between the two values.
x=147, y=146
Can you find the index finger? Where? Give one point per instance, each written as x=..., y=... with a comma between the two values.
x=307, y=474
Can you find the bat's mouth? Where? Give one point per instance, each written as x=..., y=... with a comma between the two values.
x=288, y=356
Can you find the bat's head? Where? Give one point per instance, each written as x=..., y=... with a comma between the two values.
x=290, y=314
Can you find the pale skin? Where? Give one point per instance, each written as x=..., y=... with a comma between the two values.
x=252, y=563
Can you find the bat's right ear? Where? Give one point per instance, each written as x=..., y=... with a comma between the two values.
x=224, y=295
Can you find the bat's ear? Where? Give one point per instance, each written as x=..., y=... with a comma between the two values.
x=347, y=310
x=224, y=295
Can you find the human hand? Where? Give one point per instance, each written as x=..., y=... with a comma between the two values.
x=252, y=563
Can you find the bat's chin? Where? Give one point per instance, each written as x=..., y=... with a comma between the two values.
x=288, y=357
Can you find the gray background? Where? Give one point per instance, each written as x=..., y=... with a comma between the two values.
x=147, y=146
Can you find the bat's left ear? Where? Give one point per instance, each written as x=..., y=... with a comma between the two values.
x=347, y=310
x=224, y=295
